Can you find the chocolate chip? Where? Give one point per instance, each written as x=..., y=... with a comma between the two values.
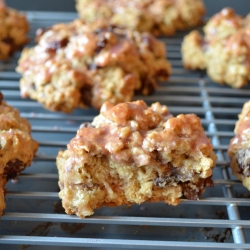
x=1, y=97
x=13, y=168
x=54, y=45
x=8, y=40
x=192, y=191
x=175, y=175
x=148, y=86
x=101, y=44
x=86, y=94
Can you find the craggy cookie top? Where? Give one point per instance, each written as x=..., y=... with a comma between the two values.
x=224, y=50
x=17, y=148
x=154, y=16
x=137, y=134
x=223, y=24
x=91, y=63
x=14, y=29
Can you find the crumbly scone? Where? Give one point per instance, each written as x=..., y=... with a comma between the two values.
x=132, y=153
x=224, y=51
x=239, y=148
x=159, y=17
x=17, y=148
x=80, y=65
x=14, y=29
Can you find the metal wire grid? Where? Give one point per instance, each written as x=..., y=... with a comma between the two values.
x=34, y=217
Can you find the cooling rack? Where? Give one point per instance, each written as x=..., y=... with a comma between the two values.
x=34, y=218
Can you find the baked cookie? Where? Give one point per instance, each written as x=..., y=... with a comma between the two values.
x=159, y=17
x=224, y=51
x=17, y=148
x=14, y=29
x=239, y=148
x=80, y=65
x=132, y=153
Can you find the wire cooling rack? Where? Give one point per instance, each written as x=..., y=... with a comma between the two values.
x=34, y=218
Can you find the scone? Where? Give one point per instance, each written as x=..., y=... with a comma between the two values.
x=155, y=16
x=17, y=148
x=132, y=153
x=224, y=51
x=81, y=65
x=14, y=29
x=239, y=148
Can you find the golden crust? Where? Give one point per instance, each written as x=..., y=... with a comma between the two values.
x=81, y=65
x=132, y=153
x=17, y=148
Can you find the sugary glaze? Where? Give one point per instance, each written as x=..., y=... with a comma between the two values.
x=80, y=65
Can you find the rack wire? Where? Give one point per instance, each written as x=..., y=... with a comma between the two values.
x=35, y=219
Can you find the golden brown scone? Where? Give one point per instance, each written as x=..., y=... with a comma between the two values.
x=81, y=65
x=224, y=51
x=239, y=148
x=13, y=33
x=159, y=17
x=132, y=153
x=17, y=148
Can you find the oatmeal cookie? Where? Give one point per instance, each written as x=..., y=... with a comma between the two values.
x=81, y=65
x=224, y=51
x=239, y=148
x=14, y=29
x=132, y=153
x=159, y=17
x=17, y=148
